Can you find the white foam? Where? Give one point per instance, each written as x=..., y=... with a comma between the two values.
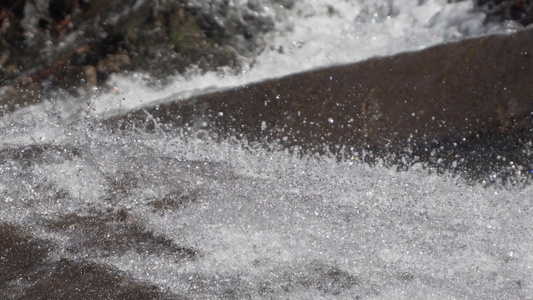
x=280, y=224
x=269, y=224
x=314, y=34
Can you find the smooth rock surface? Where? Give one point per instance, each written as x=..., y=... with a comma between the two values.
x=453, y=91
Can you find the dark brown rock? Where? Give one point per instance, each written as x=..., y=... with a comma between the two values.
x=68, y=279
x=113, y=234
x=20, y=254
x=26, y=271
x=113, y=63
x=456, y=90
x=175, y=200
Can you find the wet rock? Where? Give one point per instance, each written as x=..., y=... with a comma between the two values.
x=20, y=254
x=121, y=185
x=113, y=63
x=175, y=200
x=67, y=279
x=447, y=94
x=37, y=154
x=520, y=11
x=58, y=43
x=11, y=31
x=26, y=272
x=16, y=96
x=466, y=88
x=328, y=279
x=90, y=75
x=316, y=276
x=172, y=42
x=237, y=26
x=325, y=278
x=114, y=233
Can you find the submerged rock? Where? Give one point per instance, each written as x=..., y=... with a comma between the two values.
x=27, y=271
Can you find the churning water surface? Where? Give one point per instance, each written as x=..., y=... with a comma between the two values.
x=264, y=223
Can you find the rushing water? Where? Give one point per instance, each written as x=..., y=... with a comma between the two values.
x=207, y=220
x=314, y=34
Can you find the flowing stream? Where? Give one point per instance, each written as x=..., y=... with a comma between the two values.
x=235, y=220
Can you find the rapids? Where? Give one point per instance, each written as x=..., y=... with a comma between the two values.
x=204, y=219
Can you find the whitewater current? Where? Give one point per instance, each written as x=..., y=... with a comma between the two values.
x=241, y=221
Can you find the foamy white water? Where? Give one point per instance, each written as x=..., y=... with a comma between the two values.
x=314, y=34
x=273, y=225
x=269, y=224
